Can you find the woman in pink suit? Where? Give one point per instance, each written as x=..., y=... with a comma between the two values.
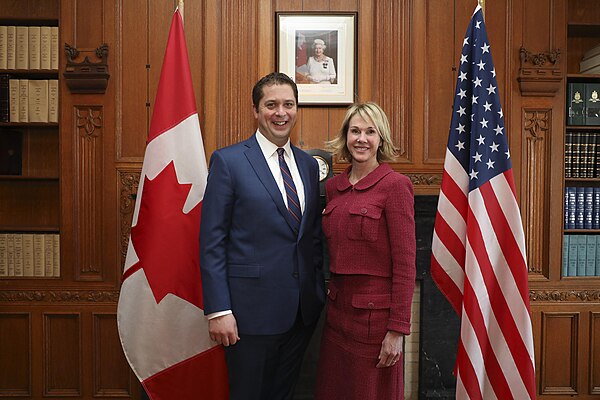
x=369, y=225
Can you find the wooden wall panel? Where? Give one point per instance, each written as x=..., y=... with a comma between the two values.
x=110, y=368
x=89, y=30
x=15, y=354
x=559, y=358
x=63, y=369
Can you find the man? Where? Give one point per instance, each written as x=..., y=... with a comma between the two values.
x=260, y=249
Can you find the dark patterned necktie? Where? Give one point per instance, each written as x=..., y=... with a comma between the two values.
x=290, y=190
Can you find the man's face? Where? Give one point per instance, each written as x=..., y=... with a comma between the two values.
x=276, y=113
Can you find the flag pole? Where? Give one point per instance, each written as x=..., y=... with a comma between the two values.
x=180, y=7
x=481, y=3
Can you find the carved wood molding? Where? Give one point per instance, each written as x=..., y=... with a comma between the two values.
x=129, y=181
x=534, y=200
x=60, y=296
x=564, y=295
x=87, y=153
x=538, y=74
x=425, y=179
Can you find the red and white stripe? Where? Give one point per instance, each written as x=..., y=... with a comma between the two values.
x=479, y=263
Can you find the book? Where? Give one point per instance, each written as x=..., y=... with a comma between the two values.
x=11, y=152
x=592, y=70
x=10, y=251
x=565, y=254
x=588, y=63
x=573, y=245
x=22, y=48
x=3, y=254
x=591, y=154
x=23, y=100
x=53, y=100
x=18, y=239
x=579, y=207
x=590, y=264
x=571, y=207
x=575, y=154
x=45, y=47
x=588, y=207
x=38, y=255
x=568, y=151
x=575, y=103
x=38, y=100
x=27, y=254
x=4, y=98
x=13, y=100
x=596, y=207
x=34, y=47
x=48, y=254
x=581, y=254
x=591, y=52
x=54, y=50
x=592, y=103
x=11, y=47
x=56, y=256
x=3, y=45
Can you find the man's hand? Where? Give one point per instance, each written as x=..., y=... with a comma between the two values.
x=223, y=330
x=391, y=349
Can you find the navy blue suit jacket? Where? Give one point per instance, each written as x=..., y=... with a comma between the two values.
x=251, y=260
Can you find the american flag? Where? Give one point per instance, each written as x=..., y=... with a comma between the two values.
x=478, y=250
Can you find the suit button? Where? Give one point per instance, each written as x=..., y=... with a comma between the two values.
x=371, y=305
x=363, y=211
x=295, y=275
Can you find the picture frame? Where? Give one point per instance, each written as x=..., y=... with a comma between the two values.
x=318, y=51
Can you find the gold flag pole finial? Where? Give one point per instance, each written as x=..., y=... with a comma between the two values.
x=482, y=4
x=180, y=7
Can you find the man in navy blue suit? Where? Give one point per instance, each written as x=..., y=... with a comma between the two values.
x=260, y=249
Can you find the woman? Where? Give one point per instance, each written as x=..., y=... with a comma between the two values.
x=369, y=225
x=320, y=67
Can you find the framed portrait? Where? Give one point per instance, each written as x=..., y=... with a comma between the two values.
x=318, y=51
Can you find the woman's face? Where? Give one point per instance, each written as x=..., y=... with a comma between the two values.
x=318, y=50
x=362, y=140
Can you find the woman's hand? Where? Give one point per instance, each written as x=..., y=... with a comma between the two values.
x=391, y=349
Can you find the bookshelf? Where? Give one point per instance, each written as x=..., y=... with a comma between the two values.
x=29, y=145
x=581, y=210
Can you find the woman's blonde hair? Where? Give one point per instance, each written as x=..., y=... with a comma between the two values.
x=369, y=111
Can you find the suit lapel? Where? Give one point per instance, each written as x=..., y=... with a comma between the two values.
x=261, y=168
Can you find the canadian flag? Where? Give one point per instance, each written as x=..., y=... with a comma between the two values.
x=161, y=323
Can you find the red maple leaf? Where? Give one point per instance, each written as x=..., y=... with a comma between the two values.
x=166, y=240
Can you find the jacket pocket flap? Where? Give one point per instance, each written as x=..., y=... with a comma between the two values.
x=371, y=301
x=366, y=210
x=244, y=271
x=328, y=209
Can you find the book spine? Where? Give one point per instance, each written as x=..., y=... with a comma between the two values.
x=581, y=254
x=579, y=207
x=573, y=246
x=11, y=47
x=3, y=47
x=38, y=255
x=3, y=254
x=575, y=103
x=22, y=48
x=575, y=154
x=54, y=48
x=10, y=251
x=48, y=255
x=34, y=47
x=13, y=100
x=592, y=104
x=588, y=208
x=18, y=239
x=568, y=153
x=590, y=264
x=565, y=256
x=53, y=100
x=28, y=254
x=23, y=100
x=45, y=47
x=56, y=256
x=38, y=100
x=572, y=207
x=4, y=98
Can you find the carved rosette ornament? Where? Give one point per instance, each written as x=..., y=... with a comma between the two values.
x=539, y=74
x=425, y=179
